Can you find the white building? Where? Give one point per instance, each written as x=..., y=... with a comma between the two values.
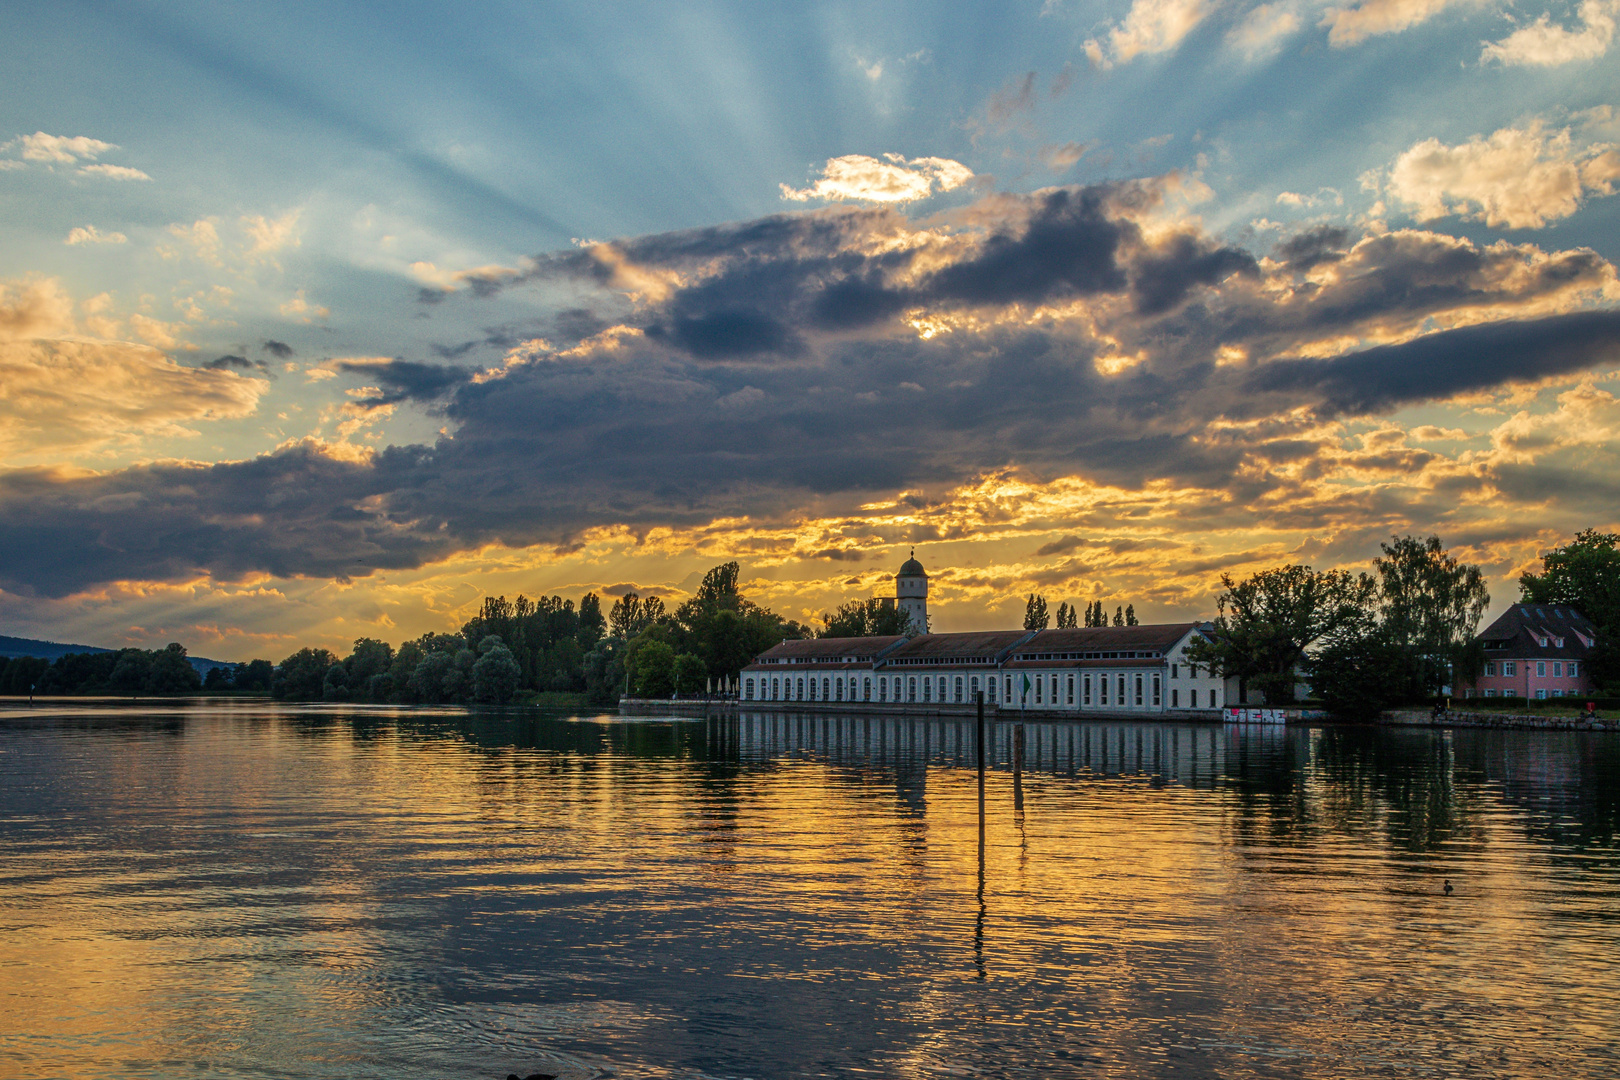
x=1112, y=669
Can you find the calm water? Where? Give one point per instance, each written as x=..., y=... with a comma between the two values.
x=241, y=890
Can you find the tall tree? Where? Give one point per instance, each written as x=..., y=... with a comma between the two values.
x=1035, y=616
x=1431, y=604
x=1119, y=616
x=1130, y=615
x=1585, y=574
x=1269, y=621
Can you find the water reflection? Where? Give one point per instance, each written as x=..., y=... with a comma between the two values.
x=248, y=890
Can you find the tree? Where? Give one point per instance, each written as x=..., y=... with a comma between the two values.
x=1035, y=616
x=1119, y=616
x=1358, y=676
x=171, y=672
x=1269, y=621
x=495, y=674
x=689, y=673
x=217, y=679
x=1585, y=574
x=302, y=676
x=591, y=624
x=866, y=618
x=1430, y=606
x=654, y=670
x=1130, y=615
x=604, y=671
x=335, y=687
x=255, y=675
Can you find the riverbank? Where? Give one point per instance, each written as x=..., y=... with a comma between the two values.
x=1484, y=718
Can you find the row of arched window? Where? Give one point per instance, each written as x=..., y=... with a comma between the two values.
x=1046, y=688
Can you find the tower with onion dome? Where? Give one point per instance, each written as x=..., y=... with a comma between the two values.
x=911, y=593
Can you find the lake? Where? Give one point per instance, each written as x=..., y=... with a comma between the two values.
x=241, y=889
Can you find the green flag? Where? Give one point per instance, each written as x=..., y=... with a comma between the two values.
x=1026, y=684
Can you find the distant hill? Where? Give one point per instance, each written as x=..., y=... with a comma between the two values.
x=50, y=650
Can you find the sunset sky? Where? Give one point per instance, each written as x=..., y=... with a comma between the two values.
x=322, y=325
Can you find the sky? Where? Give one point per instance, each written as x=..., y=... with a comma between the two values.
x=324, y=322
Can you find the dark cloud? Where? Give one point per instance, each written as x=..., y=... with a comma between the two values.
x=689, y=423
x=406, y=380
x=1311, y=248
x=279, y=349
x=1446, y=363
x=225, y=362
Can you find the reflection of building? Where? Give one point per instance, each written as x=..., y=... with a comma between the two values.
x=1536, y=651
x=1106, y=668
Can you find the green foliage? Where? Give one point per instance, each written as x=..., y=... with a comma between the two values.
x=1066, y=616
x=1130, y=615
x=1119, y=616
x=1035, y=615
x=690, y=674
x=255, y=675
x=1359, y=676
x=1585, y=575
x=1268, y=621
x=495, y=674
x=302, y=676
x=654, y=669
x=874, y=617
x=1430, y=606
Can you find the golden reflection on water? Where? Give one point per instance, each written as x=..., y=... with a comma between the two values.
x=247, y=889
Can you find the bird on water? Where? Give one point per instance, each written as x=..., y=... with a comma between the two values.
x=1448, y=886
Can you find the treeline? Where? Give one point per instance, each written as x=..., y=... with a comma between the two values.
x=1036, y=616
x=126, y=672
x=1402, y=634
x=550, y=645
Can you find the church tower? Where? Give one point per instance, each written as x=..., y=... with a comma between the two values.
x=911, y=593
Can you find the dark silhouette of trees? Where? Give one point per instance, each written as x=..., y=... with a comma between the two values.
x=1035, y=616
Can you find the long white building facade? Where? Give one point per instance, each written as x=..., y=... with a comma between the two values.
x=1112, y=669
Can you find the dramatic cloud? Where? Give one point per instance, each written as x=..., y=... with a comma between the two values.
x=856, y=178
x=279, y=349
x=62, y=397
x=89, y=234
x=1518, y=178
x=1353, y=25
x=1151, y=26
x=1542, y=44
x=810, y=367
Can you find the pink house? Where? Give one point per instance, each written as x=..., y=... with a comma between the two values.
x=1536, y=651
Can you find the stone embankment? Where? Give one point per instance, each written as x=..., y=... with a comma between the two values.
x=1484, y=719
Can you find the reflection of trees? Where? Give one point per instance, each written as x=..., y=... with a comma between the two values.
x=1567, y=782
x=1396, y=782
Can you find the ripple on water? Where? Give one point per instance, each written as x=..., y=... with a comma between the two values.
x=274, y=891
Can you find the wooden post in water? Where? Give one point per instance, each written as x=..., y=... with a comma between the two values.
x=978, y=925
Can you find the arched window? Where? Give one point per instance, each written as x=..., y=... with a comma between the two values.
x=911, y=688
x=1069, y=699
x=928, y=688
x=973, y=688
x=1139, y=689
x=826, y=690
x=1156, y=691
x=1120, y=686
x=838, y=688
x=990, y=685
x=883, y=688
x=748, y=689
x=866, y=688
x=958, y=696
x=1008, y=696
x=801, y=688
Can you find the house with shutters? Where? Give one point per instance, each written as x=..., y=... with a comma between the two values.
x=1536, y=651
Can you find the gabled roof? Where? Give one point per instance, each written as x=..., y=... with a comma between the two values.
x=1522, y=629
x=830, y=650
x=1084, y=638
x=984, y=646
